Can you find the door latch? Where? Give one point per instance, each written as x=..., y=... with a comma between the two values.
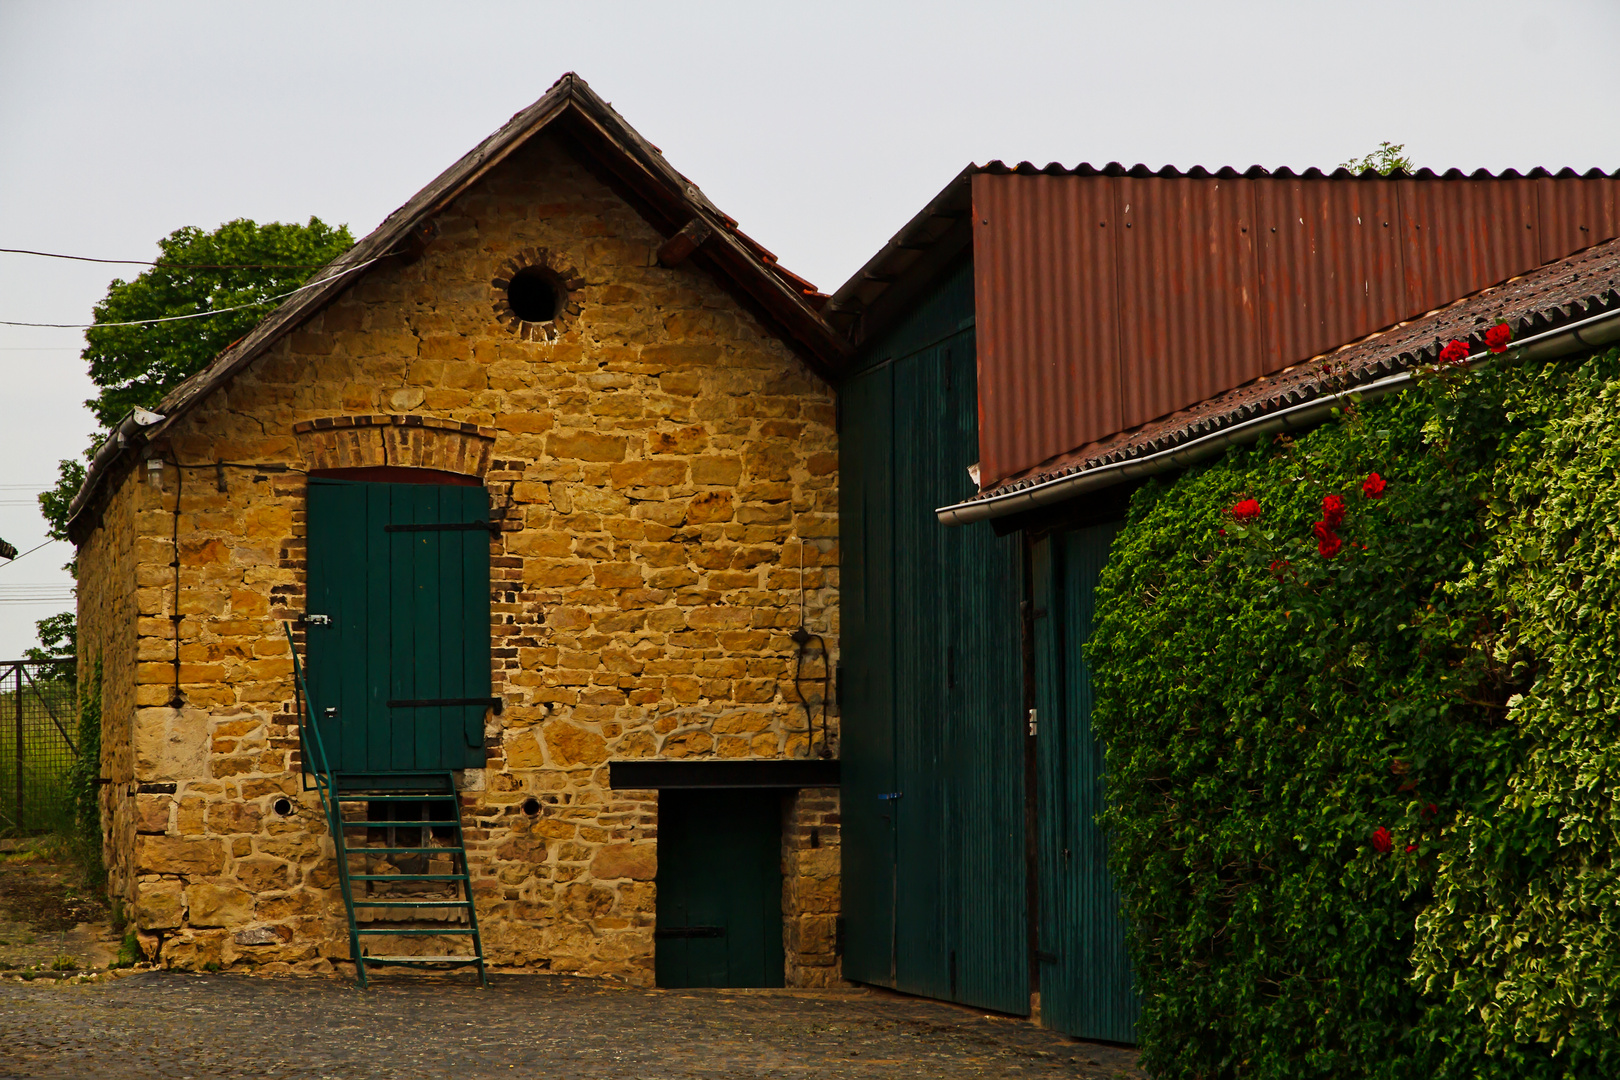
x=330, y=711
x=318, y=620
x=889, y=795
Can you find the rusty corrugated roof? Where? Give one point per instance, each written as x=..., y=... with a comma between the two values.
x=1108, y=297
x=1576, y=287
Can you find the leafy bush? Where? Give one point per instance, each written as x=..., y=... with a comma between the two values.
x=1309, y=740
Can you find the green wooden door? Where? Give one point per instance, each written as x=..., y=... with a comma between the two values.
x=398, y=634
x=1085, y=974
x=719, y=920
x=932, y=691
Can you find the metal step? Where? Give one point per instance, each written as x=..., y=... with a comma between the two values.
x=370, y=959
x=427, y=796
x=407, y=877
x=411, y=903
x=348, y=850
x=420, y=931
x=397, y=824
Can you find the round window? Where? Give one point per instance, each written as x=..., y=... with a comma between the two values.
x=533, y=295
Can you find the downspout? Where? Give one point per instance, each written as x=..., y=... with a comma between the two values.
x=1593, y=332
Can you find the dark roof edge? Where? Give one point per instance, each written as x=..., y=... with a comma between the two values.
x=775, y=288
x=859, y=306
x=1589, y=333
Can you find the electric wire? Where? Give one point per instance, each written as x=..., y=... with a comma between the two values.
x=166, y=265
x=197, y=314
x=29, y=552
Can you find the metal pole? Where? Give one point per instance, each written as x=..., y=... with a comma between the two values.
x=18, y=702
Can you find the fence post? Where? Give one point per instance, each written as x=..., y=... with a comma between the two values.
x=17, y=701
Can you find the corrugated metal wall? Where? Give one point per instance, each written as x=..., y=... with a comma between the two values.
x=1106, y=301
x=934, y=864
x=1085, y=973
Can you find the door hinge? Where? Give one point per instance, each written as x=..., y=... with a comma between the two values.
x=1032, y=721
x=318, y=620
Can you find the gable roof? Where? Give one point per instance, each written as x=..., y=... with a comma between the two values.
x=634, y=167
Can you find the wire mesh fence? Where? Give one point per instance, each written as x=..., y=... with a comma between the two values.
x=39, y=722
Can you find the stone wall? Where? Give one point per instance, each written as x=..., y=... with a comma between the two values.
x=108, y=625
x=663, y=466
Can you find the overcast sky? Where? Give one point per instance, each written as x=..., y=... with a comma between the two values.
x=821, y=127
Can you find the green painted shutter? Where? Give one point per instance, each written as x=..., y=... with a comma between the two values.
x=1085, y=975
x=409, y=622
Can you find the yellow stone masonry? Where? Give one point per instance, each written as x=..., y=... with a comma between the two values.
x=663, y=470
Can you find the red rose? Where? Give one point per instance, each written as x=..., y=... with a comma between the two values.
x=1455, y=352
x=1277, y=567
x=1247, y=510
x=1329, y=546
x=1321, y=530
x=1332, y=511
x=1498, y=336
x=1381, y=841
x=1411, y=848
x=1373, y=486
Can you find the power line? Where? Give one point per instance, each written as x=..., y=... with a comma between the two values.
x=29, y=552
x=196, y=314
x=167, y=265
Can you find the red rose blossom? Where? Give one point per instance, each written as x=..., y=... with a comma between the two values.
x=1277, y=567
x=1380, y=840
x=1455, y=352
x=1332, y=511
x=1321, y=530
x=1498, y=336
x=1373, y=486
x=1411, y=848
x=1329, y=546
x=1247, y=510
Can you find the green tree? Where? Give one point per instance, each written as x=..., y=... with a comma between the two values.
x=1384, y=160
x=240, y=265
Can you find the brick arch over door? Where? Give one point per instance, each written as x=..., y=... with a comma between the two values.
x=410, y=442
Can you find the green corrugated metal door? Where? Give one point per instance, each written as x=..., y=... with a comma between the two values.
x=401, y=571
x=933, y=840
x=866, y=683
x=1085, y=975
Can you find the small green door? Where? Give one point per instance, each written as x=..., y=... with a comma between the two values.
x=1087, y=987
x=397, y=628
x=719, y=888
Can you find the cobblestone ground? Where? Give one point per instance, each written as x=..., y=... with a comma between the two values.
x=162, y=1024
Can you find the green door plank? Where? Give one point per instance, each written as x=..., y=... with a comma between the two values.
x=865, y=692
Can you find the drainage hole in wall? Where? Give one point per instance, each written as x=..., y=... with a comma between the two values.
x=533, y=295
x=531, y=806
x=283, y=807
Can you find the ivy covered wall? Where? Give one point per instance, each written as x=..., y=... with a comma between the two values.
x=1360, y=700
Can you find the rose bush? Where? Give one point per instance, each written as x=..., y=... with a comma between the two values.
x=1330, y=771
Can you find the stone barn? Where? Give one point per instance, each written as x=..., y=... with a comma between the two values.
x=507, y=546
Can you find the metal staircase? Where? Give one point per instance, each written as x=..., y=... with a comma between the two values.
x=402, y=860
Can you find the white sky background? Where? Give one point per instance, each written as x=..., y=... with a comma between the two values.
x=821, y=127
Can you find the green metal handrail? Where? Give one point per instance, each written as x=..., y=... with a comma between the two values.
x=326, y=785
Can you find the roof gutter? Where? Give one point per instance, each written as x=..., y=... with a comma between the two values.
x=125, y=435
x=1593, y=332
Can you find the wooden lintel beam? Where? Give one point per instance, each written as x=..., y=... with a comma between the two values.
x=678, y=248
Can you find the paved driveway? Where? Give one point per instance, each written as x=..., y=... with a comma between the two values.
x=162, y=1024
